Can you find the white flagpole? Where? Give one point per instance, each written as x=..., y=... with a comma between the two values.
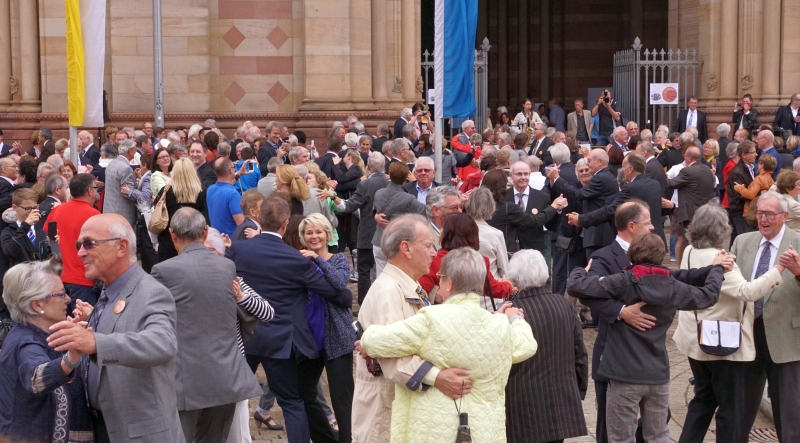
x=437, y=156
x=73, y=145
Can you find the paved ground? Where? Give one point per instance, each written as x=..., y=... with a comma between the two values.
x=680, y=394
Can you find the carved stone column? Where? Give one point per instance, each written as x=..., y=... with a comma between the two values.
x=29, y=54
x=770, y=83
x=379, y=55
x=5, y=54
x=730, y=53
x=710, y=48
x=408, y=53
x=751, y=47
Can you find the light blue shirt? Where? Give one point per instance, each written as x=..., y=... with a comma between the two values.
x=422, y=194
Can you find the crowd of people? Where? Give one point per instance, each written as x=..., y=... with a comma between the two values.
x=146, y=283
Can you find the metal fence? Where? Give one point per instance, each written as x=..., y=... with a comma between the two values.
x=635, y=70
x=481, y=69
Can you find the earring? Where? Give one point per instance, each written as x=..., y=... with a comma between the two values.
x=41, y=312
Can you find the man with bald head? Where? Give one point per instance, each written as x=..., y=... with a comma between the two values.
x=129, y=372
x=594, y=195
x=695, y=185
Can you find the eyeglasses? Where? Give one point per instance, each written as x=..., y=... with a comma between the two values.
x=28, y=208
x=582, y=171
x=766, y=215
x=423, y=170
x=90, y=244
x=452, y=207
x=57, y=295
x=440, y=275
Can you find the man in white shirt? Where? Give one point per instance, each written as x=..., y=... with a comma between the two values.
x=692, y=117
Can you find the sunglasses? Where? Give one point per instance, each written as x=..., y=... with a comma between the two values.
x=90, y=244
x=57, y=295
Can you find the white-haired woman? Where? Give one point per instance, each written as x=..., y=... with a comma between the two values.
x=42, y=398
x=544, y=393
x=330, y=324
x=719, y=381
x=455, y=334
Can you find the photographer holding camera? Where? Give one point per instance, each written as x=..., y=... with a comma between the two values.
x=609, y=117
x=745, y=117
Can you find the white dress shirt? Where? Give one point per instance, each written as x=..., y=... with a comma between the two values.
x=691, y=116
x=773, y=244
x=525, y=194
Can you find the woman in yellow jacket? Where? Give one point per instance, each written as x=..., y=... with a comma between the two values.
x=457, y=333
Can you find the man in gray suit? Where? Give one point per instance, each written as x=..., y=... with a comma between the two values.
x=362, y=201
x=129, y=362
x=212, y=374
x=119, y=173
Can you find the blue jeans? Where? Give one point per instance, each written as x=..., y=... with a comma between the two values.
x=602, y=140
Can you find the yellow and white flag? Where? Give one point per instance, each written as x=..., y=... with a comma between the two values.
x=86, y=51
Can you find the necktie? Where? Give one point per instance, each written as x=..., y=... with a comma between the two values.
x=751, y=168
x=520, y=202
x=94, y=320
x=691, y=119
x=32, y=235
x=422, y=295
x=761, y=268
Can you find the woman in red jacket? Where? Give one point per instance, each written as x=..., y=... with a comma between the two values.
x=460, y=231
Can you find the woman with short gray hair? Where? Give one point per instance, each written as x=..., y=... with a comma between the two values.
x=480, y=206
x=41, y=389
x=544, y=393
x=719, y=381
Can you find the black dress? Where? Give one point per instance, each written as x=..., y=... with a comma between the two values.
x=166, y=249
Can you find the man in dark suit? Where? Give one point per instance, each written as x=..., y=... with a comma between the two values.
x=653, y=168
x=56, y=189
x=744, y=172
x=631, y=219
x=788, y=117
x=695, y=185
x=212, y=377
x=381, y=137
x=692, y=117
x=638, y=186
x=619, y=138
x=48, y=146
x=600, y=188
x=331, y=163
x=564, y=261
x=362, y=201
x=405, y=118
x=285, y=346
x=90, y=154
x=5, y=148
x=541, y=143
x=424, y=171
x=274, y=147
x=532, y=201
x=205, y=170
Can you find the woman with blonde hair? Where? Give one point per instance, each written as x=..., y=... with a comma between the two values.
x=184, y=189
x=788, y=185
x=354, y=158
x=330, y=324
x=287, y=180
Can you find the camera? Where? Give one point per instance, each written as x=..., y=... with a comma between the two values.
x=606, y=99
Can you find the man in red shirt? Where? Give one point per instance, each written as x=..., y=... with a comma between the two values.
x=70, y=217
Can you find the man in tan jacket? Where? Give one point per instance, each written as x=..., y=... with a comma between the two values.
x=396, y=296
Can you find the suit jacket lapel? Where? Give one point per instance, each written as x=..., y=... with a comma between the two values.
x=620, y=256
x=750, y=251
x=786, y=241
x=126, y=292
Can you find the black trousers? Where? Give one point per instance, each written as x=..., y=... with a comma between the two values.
x=600, y=430
x=365, y=263
x=563, y=263
x=755, y=377
x=740, y=225
x=294, y=382
x=348, y=223
x=145, y=246
x=341, y=384
x=719, y=388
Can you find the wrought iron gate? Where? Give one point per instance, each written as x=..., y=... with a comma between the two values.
x=481, y=67
x=634, y=73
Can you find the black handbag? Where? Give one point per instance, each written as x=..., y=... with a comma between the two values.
x=715, y=328
x=567, y=244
